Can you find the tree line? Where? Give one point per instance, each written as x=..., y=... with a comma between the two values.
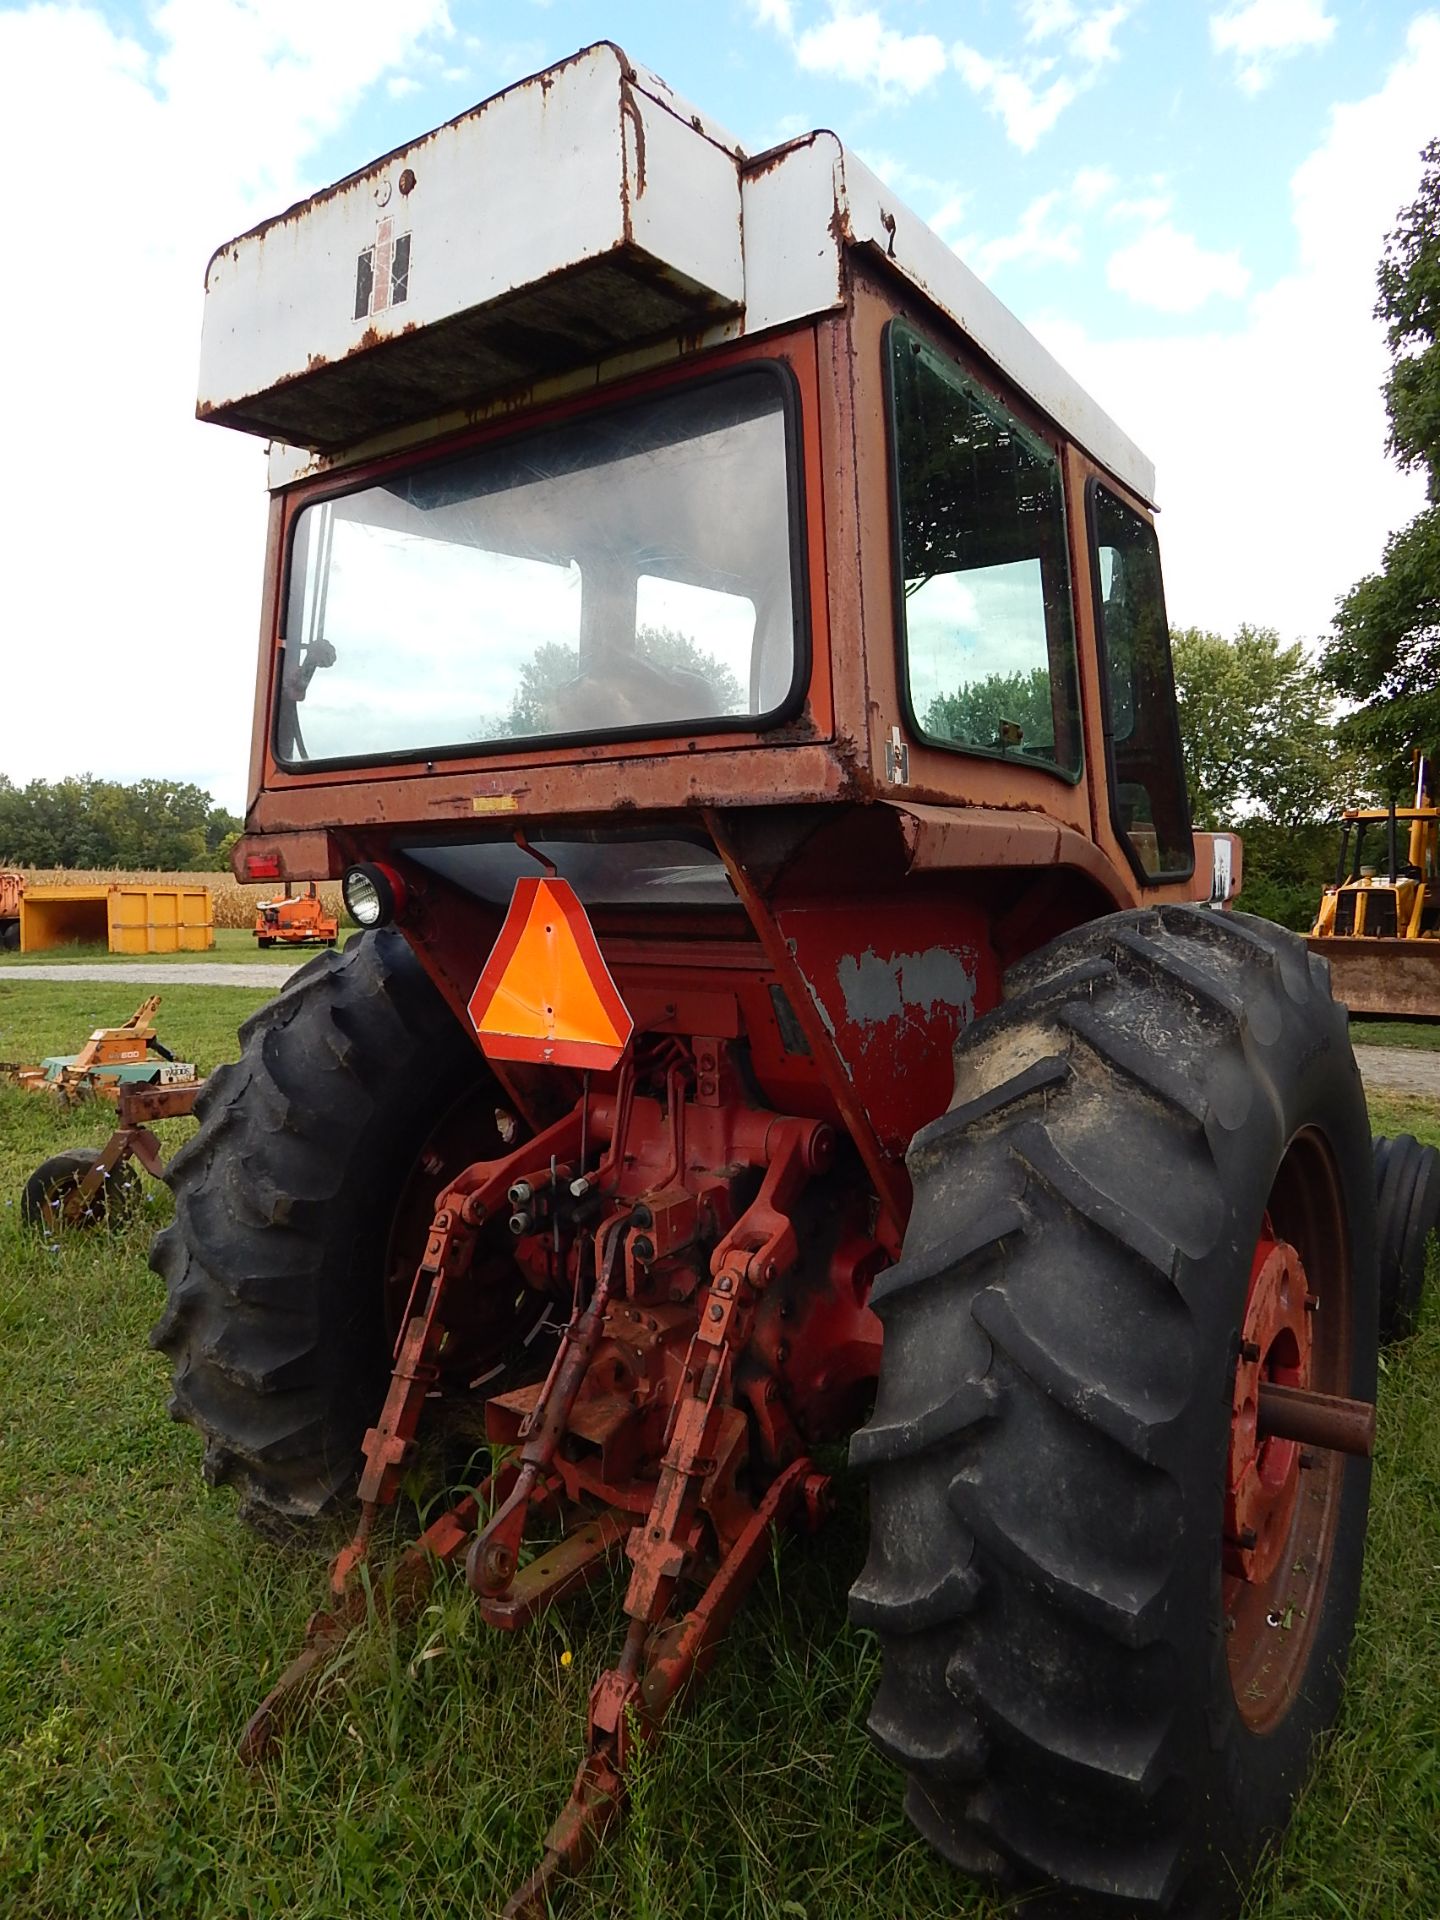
x=1276, y=740
x=165, y=825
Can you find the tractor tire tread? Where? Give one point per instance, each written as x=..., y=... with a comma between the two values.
x=1051, y=1345
x=278, y=1358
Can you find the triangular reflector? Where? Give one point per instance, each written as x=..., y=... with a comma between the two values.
x=546, y=994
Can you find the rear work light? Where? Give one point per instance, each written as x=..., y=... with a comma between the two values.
x=374, y=895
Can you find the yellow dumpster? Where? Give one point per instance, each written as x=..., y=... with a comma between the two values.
x=126, y=919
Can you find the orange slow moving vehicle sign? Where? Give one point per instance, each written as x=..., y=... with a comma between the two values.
x=546, y=994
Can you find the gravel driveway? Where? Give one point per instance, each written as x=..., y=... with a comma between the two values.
x=1405, y=1070
x=173, y=973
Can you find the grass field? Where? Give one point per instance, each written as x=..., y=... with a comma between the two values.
x=231, y=944
x=141, y=1622
x=1421, y=1034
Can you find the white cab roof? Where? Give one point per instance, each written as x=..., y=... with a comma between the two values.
x=576, y=217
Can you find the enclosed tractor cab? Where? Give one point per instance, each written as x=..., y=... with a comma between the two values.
x=724, y=657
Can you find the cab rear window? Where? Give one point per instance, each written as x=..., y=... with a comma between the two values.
x=632, y=572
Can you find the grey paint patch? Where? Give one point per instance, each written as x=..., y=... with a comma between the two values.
x=820, y=1007
x=876, y=990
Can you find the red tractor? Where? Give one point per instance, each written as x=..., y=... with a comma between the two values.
x=724, y=656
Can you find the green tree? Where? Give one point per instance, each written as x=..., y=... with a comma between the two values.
x=80, y=821
x=975, y=712
x=554, y=665
x=1385, y=652
x=1286, y=870
x=1257, y=728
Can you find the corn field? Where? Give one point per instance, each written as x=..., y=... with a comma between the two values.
x=234, y=905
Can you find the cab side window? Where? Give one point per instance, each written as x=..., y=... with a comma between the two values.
x=986, y=615
x=1142, y=732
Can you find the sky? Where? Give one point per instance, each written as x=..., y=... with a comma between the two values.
x=1185, y=200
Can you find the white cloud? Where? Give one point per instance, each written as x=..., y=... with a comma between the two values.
x=948, y=217
x=1041, y=18
x=1028, y=110
x=943, y=204
x=1260, y=32
x=1094, y=39
x=1089, y=29
x=1040, y=239
x=1269, y=435
x=899, y=174
x=1048, y=232
x=775, y=13
x=856, y=45
x=1148, y=208
x=1169, y=270
x=1091, y=185
x=141, y=531
x=1030, y=94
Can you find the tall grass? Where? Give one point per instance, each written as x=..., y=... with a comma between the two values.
x=141, y=1623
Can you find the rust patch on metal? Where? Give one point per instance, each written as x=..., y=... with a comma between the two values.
x=773, y=157
x=630, y=114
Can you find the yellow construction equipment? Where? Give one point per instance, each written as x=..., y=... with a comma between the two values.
x=1379, y=920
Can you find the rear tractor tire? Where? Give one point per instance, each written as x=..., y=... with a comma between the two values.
x=301, y=1205
x=1407, y=1204
x=1114, y=1621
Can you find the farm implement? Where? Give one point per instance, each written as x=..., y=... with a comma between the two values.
x=112, y=1059
x=296, y=920
x=724, y=659
x=88, y=1186
x=130, y=1066
x=12, y=892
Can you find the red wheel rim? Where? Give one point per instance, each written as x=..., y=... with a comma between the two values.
x=1282, y=1501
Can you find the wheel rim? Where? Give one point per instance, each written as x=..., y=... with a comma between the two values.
x=1283, y=1501
x=53, y=1202
x=104, y=1208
